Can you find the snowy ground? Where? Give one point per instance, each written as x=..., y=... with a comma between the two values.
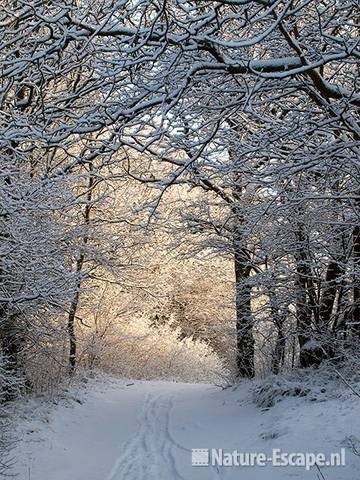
x=117, y=431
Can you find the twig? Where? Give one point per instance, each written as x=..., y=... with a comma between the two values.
x=347, y=383
x=320, y=475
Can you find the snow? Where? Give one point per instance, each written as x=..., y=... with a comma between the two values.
x=117, y=429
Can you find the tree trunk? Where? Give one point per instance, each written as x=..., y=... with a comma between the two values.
x=245, y=344
x=356, y=284
x=303, y=315
x=278, y=316
x=279, y=352
x=307, y=308
x=329, y=294
x=79, y=266
x=71, y=321
x=244, y=324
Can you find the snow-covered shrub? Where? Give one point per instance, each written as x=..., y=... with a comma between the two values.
x=8, y=384
x=274, y=389
x=137, y=349
x=319, y=384
x=46, y=364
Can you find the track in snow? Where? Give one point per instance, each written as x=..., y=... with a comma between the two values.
x=149, y=453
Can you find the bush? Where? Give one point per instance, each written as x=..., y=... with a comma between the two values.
x=8, y=384
x=137, y=349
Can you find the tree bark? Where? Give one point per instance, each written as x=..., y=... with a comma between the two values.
x=79, y=266
x=307, y=308
x=71, y=319
x=303, y=315
x=279, y=352
x=244, y=322
x=356, y=280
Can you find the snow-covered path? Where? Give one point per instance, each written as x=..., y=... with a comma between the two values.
x=146, y=431
x=149, y=452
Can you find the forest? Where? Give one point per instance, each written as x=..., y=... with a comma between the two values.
x=180, y=190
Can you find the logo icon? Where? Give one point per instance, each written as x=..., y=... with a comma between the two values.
x=200, y=457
